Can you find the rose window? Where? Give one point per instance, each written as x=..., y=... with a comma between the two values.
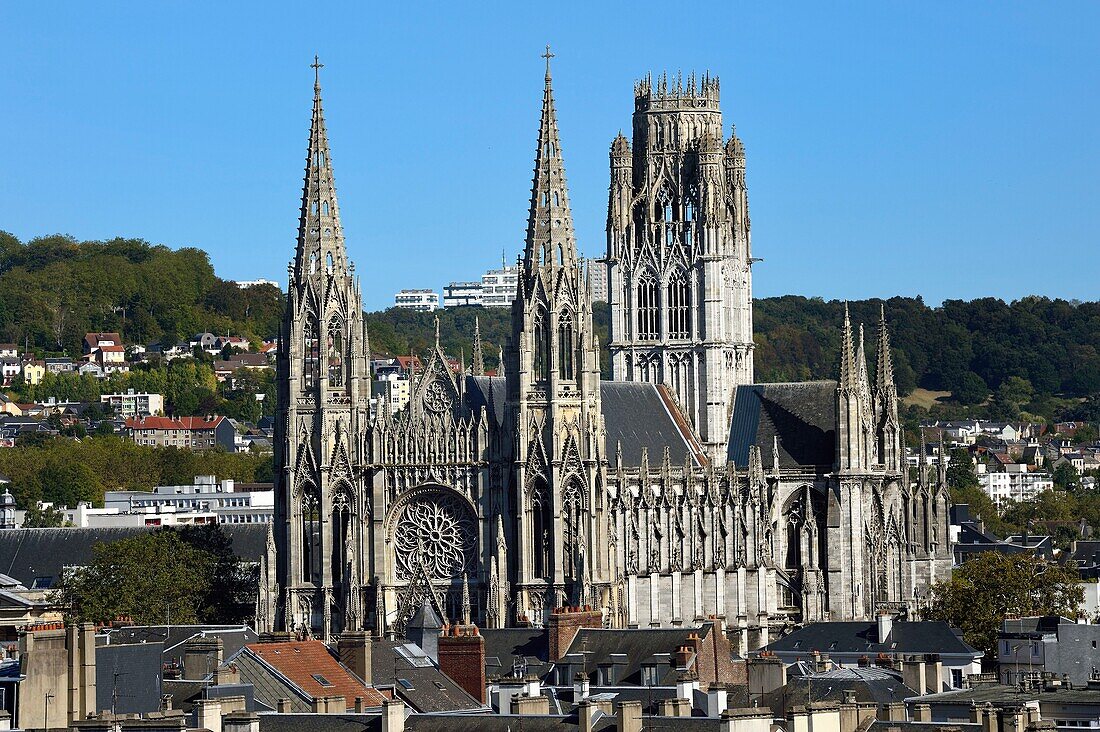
x=435, y=530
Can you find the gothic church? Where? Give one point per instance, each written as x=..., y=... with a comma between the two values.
x=677, y=490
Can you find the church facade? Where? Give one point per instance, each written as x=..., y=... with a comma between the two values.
x=678, y=490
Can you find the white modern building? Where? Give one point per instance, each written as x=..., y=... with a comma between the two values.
x=498, y=287
x=133, y=404
x=422, y=301
x=1013, y=483
x=228, y=502
x=458, y=294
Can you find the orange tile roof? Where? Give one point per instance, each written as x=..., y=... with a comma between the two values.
x=171, y=423
x=298, y=661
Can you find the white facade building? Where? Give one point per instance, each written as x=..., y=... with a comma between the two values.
x=222, y=500
x=132, y=404
x=498, y=287
x=1014, y=483
x=422, y=301
x=458, y=294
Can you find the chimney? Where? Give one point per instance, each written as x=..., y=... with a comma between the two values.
x=227, y=674
x=913, y=674
x=208, y=714
x=766, y=673
x=630, y=717
x=462, y=657
x=922, y=713
x=359, y=705
x=563, y=626
x=393, y=715
x=282, y=705
x=885, y=625
x=682, y=657
x=241, y=721
x=717, y=699
x=525, y=705
x=201, y=655
x=354, y=651
x=893, y=712
x=580, y=687
x=933, y=673
x=586, y=710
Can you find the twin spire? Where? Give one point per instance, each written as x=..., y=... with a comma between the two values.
x=853, y=358
x=550, y=238
x=320, y=235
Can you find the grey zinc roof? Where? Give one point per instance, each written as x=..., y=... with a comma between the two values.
x=503, y=646
x=839, y=637
x=638, y=645
x=636, y=415
x=432, y=690
x=27, y=554
x=640, y=416
x=800, y=416
x=869, y=685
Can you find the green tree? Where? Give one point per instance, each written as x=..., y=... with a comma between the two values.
x=1066, y=477
x=986, y=589
x=153, y=578
x=43, y=518
x=230, y=592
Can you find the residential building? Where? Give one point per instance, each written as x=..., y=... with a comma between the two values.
x=225, y=368
x=95, y=341
x=229, y=503
x=59, y=365
x=969, y=538
x=498, y=287
x=134, y=404
x=243, y=284
x=391, y=391
x=459, y=294
x=422, y=301
x=597, y=278
x=10, y=367
x=34, y=371
x=9, y=350
x=1049, y=644
x=846, y=643
x=1005, y=481
x=196, y=433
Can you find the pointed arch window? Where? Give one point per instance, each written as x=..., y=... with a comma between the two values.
x=341, y=532
x=648, y=313
x=310, y=534
x=313, y=208
x=689, y=210
x=556, y=198
x=679, y=305
x=311, y=356
x=541, y=526
x=335, y=354
x=566, y=350
x=324, y=208
x=667, y=213
x=541, y=361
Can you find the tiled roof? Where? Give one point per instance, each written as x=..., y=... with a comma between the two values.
x=173, y=423
x=302, y=662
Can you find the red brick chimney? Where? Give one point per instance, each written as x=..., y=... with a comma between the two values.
x=462, y=657
x=564, y=624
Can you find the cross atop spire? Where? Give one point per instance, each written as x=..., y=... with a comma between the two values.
x=320, y=235
x=548, y=56
x=550, y=238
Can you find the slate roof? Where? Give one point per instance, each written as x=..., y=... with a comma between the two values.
x=27, y=554
x=910, y=638
x=504, y=646
x=234, y=637
x=801, y=415
x=635, y=645
x=302, y=662
x=134, y=671
x=636, y=415
x=432, y=690
x=869, y=684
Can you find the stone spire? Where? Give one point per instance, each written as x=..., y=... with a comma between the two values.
x=320, y=236
x=884, y=371
x=550, y=238
x=479, y=356
x=848, y=373
x=862, y=379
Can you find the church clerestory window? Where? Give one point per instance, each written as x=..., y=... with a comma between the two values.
x=310, y=510
x=679, y=306
x=648, y=313
x=541, y=362
x=311, y=356
x=566, y=349
x=335, y=354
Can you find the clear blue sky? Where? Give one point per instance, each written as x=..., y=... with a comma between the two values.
x=941, y=149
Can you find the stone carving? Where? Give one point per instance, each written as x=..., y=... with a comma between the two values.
x=434, y=529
